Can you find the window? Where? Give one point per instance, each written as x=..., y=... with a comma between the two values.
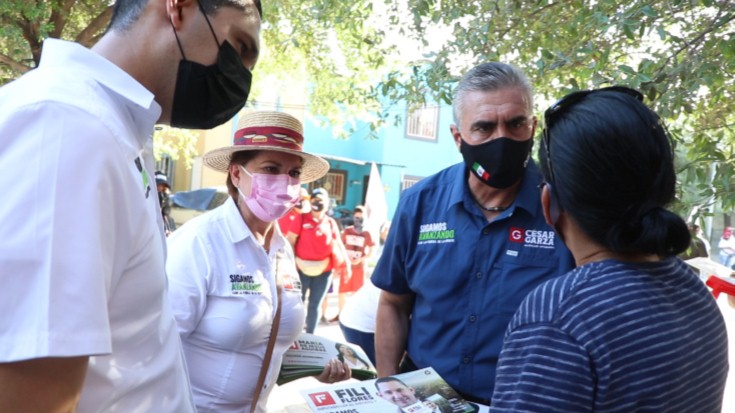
x=409, y=181
x=334, y=183
x=421, y=123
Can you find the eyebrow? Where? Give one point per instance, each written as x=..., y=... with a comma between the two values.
x=492, y=124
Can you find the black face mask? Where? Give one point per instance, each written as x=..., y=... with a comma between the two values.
x=498, y=163
x=317, y=206
x=207, y=96
x=358, y=223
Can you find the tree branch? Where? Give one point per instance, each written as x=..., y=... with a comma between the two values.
x=59, y=16
x=91, y=33
x=30, y=33
x=13, y=64
x=714, y=25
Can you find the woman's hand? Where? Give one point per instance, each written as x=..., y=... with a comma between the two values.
x=334, y=371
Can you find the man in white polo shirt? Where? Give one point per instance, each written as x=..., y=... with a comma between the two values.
x=84, y=321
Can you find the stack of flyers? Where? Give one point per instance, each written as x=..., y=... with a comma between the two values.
x=420, y=391
x=309, y=354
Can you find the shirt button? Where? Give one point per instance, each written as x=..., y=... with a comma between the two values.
x=486, y=231
x=478, y=275
x=466, y=360
x=473, y=318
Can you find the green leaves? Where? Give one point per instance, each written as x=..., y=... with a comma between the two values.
x=342, y=61
x=680, y=54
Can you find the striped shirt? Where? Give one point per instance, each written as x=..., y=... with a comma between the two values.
x=615, y=337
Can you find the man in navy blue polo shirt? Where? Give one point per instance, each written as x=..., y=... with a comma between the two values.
x=468, y=243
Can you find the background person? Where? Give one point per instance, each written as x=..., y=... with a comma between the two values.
x=467, y=244
x=301, y=206
x=698, y=246
x=83, y=287
x=229, y=267
x=359, y=245
x=726, y=248
x=164, y=199
x=357, y=318
x=316, y=239
x=632, y=328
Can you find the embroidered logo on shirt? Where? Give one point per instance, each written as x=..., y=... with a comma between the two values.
x=144, y=177
x=533, y=238
x=516, y=234
x=435, y=233
x=291, y=283
x=244, y=285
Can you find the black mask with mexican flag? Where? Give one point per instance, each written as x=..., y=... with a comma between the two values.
x=499, y=162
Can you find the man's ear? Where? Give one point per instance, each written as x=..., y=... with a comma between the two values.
x=455, y=134
x=535, y=124
x=175, y=11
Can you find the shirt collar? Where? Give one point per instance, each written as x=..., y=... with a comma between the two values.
x=65, y=54
x=238, y=230
x=529, y=195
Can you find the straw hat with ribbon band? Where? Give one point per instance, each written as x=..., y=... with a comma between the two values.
x=269, y=131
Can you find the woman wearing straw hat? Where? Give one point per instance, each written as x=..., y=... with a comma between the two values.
x=232, y=277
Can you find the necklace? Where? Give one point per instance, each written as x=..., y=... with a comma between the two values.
x=490, y=209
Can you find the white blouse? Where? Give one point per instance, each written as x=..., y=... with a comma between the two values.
x=223, y=292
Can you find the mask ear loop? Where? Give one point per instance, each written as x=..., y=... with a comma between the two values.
x=208, y=23
x=181, y=49
x=211, y=29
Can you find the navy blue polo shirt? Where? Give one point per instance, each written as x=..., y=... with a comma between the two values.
x=468, y=275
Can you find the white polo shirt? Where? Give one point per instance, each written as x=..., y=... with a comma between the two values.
x=223, y=291
x=360, y=311
x=81, y=244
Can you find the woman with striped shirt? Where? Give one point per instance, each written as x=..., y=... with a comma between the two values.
x=632, y=328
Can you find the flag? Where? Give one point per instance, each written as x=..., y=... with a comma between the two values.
x=376, y=206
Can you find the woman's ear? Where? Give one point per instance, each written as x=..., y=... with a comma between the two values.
x=549, y=206
x=235, y=174
x=546, y=204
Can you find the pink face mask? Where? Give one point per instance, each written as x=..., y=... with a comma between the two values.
x=271, y=196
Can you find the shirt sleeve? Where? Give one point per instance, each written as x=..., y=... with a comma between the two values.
x=368, y=239
x=189, y=268
x=58, y=251
x=296, y=224
x=284, y=223
x=390, y=271
x=543, y=369
x=336, y=234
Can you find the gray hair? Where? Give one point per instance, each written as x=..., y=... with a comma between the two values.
x=489, y=77
x=127, y=12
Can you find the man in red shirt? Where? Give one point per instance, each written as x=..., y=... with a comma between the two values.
x=359, y=245
x=318, y=248
x=302, y=206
